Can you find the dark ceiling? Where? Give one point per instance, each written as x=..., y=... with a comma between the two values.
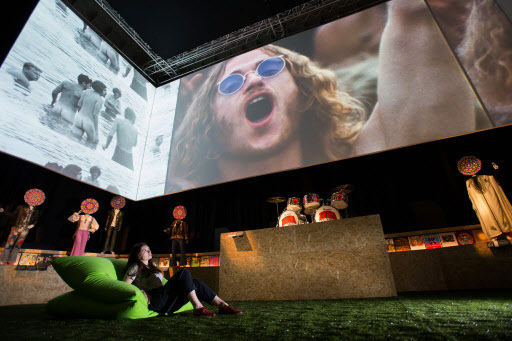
x=169, y=27
x=172, y=27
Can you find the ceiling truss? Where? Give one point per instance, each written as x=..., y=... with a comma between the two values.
x=295, y=20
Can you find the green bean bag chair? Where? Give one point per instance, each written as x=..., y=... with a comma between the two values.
x=99, y=290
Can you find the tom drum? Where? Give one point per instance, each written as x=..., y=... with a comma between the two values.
x=311, y=201
x=293, y=204
x=339, y=200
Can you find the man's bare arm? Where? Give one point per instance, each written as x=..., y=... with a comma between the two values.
x=111, y=106
x=111, y=134
x=56, y=92
x=81, y=101
x=19, y=77
x=97, y=107
x=422, y=93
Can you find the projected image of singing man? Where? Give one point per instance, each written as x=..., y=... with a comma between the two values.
x=89, y=106
x=126, y=138
x=29, y=73
x=272, y=109
x=70, y=93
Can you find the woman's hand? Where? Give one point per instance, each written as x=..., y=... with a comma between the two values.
x=145, y=295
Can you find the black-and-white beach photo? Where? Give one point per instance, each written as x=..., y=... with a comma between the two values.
x=73, y=104
x=158, y=142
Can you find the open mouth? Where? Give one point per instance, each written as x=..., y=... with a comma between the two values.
x=259, y=108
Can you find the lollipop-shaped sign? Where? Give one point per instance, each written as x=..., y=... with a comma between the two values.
x=469, y=165
x=117, y=202
x=179, y=212
x=89, y=206
x=34, y=197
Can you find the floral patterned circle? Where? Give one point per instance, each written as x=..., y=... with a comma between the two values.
x=89, y=206
x=469, y=165
x=179, y=212
x=117, y=202
x=34, y=197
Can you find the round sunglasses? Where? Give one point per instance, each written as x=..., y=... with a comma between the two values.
x=269, y=67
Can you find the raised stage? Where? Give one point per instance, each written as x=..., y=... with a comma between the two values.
x=310, y=261
x=329, y=260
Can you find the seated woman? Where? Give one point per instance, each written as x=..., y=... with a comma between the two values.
x=180, y=288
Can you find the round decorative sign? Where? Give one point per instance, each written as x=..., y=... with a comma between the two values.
x=469, y=165
x=89, y=206
x=179, y=212
x=34, y=197
x=465, y=238
x=117, y=202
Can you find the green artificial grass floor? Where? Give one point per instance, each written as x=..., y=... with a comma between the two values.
x=450, y=315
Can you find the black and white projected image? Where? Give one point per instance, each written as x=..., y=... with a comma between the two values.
x=383, y=78
x=379, y=79
x=69, y=102
x=158, y=142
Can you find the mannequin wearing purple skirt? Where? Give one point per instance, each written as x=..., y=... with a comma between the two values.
x=86, y=224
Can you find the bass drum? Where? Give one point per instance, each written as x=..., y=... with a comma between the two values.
x=326, y=213
x=289, y=217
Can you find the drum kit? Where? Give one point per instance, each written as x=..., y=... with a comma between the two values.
x=311, y=204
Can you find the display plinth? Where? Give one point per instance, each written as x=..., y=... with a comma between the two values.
x=329, y=260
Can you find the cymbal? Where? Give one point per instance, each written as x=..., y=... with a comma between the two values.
x=275, y=200
x=347, y=188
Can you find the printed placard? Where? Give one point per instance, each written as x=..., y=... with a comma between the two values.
x=433, y=241
x=448, y=239
x=417, y=242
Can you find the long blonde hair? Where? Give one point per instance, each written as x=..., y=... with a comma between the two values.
x=329, y=123
x=486, y=50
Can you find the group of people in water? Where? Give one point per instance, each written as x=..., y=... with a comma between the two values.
x=80, y=104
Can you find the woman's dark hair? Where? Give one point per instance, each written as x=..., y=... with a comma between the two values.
x=95, y=169
x=98, y=86
x=134, y=259
x=72, y=170
x=130, y=114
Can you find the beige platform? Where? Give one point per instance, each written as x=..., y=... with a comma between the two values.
x=466, y=267
x=29, y=287
x=330, y=260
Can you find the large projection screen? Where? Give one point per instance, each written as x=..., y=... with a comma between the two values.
x=379, y=79
x=58, y=119
x=397, y=74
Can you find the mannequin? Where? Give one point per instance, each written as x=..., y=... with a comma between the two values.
x=490, y=203
x=86, y=224
x=26, y=218
x=114, y=222
x=179, y=234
